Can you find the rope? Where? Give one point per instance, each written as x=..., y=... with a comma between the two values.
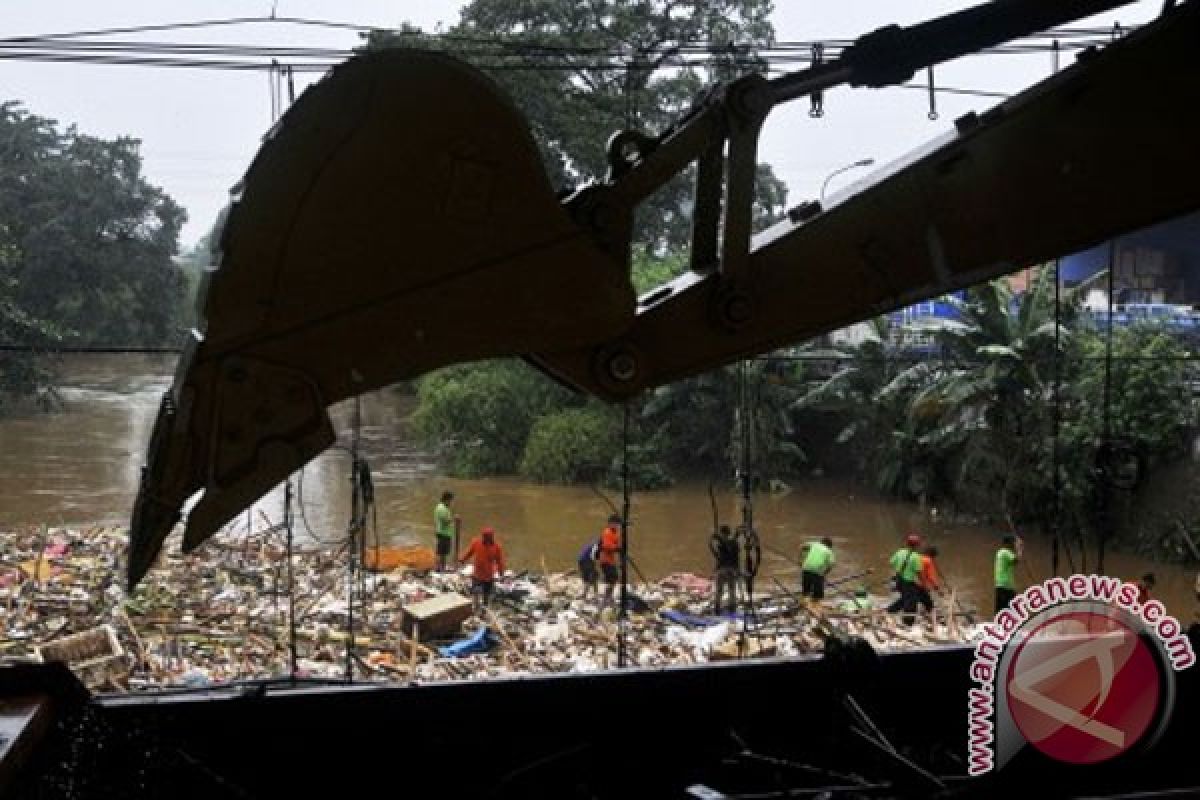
x=622, y=615
x=291, y=577
x=1056, y=411
x=308, y=528
x=362, y=494
x=751, y=547
x=744, y=413
x=1107, y=449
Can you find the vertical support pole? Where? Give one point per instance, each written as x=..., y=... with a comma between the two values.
x=1055, y=412
x=1106, y=447
x=291, y=578
x=457, y=538
x=354, y=539
x=623, y=612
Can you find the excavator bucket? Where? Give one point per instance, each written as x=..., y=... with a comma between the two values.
x=397, y=219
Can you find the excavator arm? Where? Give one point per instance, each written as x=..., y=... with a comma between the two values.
x=368, y=244
x=1099, y=149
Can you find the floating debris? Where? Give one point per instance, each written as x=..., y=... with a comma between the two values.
x=221, y=615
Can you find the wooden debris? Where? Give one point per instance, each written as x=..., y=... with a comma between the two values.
x=436, y=617
x=221, y=615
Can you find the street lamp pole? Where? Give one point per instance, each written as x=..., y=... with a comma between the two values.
x=862, y=162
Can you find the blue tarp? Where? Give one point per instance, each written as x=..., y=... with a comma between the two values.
x=479, y=642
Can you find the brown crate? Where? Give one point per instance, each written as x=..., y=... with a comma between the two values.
x=436, y=617
x=82, y=649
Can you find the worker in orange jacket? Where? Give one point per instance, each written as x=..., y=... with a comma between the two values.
x=487, y=559
x=929, y=579
x=610, y=552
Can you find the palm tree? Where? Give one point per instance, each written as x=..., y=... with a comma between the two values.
x=697, y=423
x=986, y=405
x=870, y=393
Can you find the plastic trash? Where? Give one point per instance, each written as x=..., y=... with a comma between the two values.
x=479, y=642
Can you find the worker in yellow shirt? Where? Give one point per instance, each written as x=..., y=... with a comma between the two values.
x=1010, y=552
x=817, y=563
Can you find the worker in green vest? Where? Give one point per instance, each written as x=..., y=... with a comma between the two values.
x=443, y=529
x=1010, y=552
x=906, y=566
x=817, y=563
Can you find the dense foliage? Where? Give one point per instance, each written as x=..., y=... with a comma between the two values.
x=86, y=245
x=1005, y=393
x=481, y=414
x=21, y=372
x=572, y=445
x=969, y=421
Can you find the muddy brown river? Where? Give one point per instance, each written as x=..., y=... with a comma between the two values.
x=80, y=465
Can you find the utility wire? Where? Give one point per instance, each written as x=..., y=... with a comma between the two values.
x=205, y=23
x=796, y=52
x=498, y=51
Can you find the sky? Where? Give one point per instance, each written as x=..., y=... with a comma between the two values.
x=200, y=129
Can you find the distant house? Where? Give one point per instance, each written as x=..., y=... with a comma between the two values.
x=1157, y=277
x=1158, y=265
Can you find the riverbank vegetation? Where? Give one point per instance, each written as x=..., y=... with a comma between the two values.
x=86, y=247
x=974, y=413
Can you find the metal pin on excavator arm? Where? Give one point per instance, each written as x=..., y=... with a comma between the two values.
x=398, y=220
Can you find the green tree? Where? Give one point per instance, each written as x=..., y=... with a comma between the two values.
x=93, y=240
x=650, y=270
x=697, y=423
x=22, y=372
x=985, y=405
x=573, y=445
x=1150, y=406
x=479, y=415
x=868, y=395
x=581, y=71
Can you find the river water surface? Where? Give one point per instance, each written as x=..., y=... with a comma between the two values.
x=80, y=465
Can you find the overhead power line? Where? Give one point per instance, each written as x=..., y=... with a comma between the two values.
x=204, y=23
x=1065, y=33
x=500, y=52
x=322, y=60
